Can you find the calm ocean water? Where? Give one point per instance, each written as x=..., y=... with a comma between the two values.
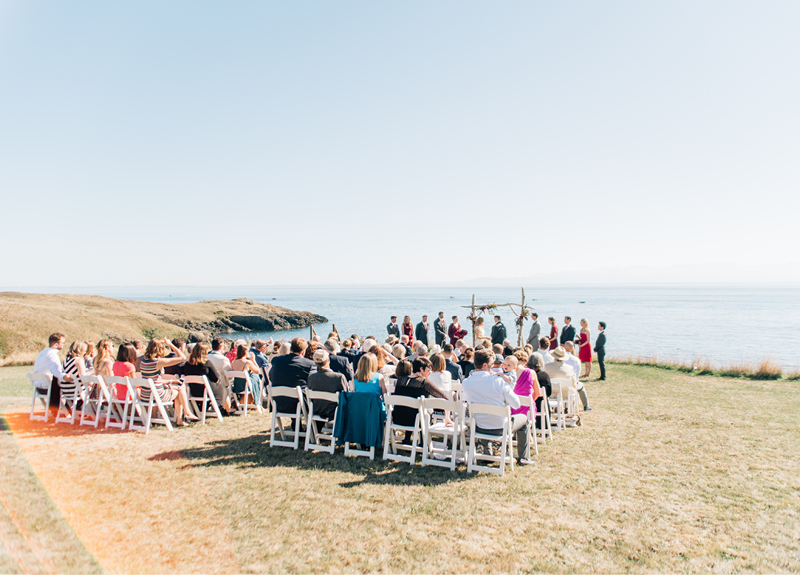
x=722, y=323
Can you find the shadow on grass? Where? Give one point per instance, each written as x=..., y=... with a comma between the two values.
x=22, y=425
x=254, y=451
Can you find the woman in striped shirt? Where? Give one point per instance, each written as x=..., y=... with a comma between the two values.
x=151, y=366
x=74, y=366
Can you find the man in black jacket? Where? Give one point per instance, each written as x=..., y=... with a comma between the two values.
x=421, y=332
x=498, y=331
x=568, y=332
x=440, y=328
x=456, y=373
x=600, y=349
x=291, y=370
x=393, y=328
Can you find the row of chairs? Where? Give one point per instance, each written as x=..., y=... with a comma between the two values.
x=98, y=399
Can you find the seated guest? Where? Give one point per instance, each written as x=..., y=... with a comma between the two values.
x=312, y=347
x=338, y=363
x=198, y=364
x=507, y=349
x=535, y=365
x=544, y=351
x=367, y=377
x=466, y=364
x=125, y=366
x=243, y=362
x=404, y=343
x=88, y=358
x=484, y=387
x=75, y=367
x=151, y=366
x=291, y=370
x=259, y=353
x=49, y=363
x=285, y=348
x=460, y=348
x=231, y=355
x=415, y=385
x=456, y=373
x=104, y=359
x=439, y=375
x=217, y=359
x=497, y=349
x=386, y=362
x=325, y=379
x=399, y=352
x=404, y=369
x=559, y=369
x=180, y=343
x=527, y=386
x=420, y=350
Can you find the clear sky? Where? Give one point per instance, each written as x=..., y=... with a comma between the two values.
x=242, y=143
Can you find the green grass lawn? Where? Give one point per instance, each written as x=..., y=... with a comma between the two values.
x=670, y=472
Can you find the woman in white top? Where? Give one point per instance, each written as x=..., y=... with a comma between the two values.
x=480, y=334
x=442, y=379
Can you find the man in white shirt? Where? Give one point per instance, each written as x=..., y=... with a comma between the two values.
x=482, y=386
x=566, y=366
x=544, y=351
x=218, y=361
x=48, y=362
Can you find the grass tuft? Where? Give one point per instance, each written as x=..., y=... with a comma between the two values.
x=768, y=369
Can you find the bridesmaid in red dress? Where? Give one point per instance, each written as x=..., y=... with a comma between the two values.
x=553, y=333
x=408, y=329
x=585, y=347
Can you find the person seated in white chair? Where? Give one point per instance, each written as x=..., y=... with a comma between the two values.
x=482, y=386
x=561, y=369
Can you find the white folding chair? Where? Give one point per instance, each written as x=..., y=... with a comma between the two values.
x=143, y=408
x=390, y=443
x=431, y=429
x=458, y=389
x=348, y=451
x=296, y=417
x=314, y=437
x=248, y=391
x=563, y=400
x=546, y=430
x=42, y=393
x=504, y=439
x=200, y=403
x=527, y=401
x=71, y=394
x=117, y=410
x=96, y=395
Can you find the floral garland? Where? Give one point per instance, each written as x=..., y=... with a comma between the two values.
x=481, y=310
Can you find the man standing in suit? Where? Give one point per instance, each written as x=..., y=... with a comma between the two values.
x=291, y=370
x=600, y=349
x=421, y=332
x=568, y=332
x=498, y=331
x=393, y=328
x=536, y=330
x=440, y=328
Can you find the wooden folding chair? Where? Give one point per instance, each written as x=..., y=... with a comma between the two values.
x=42, y=393
x=506, y=455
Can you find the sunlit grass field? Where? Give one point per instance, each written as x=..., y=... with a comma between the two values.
x=670, y=472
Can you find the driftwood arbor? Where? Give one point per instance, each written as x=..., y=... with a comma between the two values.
x=522, y=312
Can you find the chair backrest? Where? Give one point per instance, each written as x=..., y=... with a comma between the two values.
x=42, y=379
x=503, y=411
x=202, y=379
x=394, y=400
x=438, y=403
x=527, y=401
x=458, y=389
x=560, y=386
x=321, y=395
x=285, y=391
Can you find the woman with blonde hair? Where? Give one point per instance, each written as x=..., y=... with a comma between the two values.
x=151, y=367
x=408, y=329
x=104, y=360
x=367, y=378
x=585, y=347
x=88, y=357
x=386, y=362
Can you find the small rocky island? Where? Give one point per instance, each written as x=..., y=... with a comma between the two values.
x=26, y=320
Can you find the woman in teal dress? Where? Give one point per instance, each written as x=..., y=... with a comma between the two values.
x=368, y=379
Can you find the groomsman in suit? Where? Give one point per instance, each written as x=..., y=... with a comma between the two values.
x=440, y=328
x=393, y=328
x=536, y=331
x=498, y=331
x=600, y=349
x=567, y=332
x=421, y=332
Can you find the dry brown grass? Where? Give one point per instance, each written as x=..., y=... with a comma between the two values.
x=671, y=472
x=767, y=368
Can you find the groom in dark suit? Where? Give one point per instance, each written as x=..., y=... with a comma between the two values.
x=421, y=332
x=568, y=332
x=393, y=328
x=440, y=328
x=498, y=331
x=600, y=349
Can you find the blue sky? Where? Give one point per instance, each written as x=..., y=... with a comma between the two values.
x=308, y=142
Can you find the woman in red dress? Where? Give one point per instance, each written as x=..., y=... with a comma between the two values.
x=408, y=329
x=585, y=348
x=553, y=333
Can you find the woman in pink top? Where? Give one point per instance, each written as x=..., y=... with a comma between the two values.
x=527, y=386
x=124, y=367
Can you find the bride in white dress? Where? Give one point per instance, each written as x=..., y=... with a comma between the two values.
x=480, y=334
